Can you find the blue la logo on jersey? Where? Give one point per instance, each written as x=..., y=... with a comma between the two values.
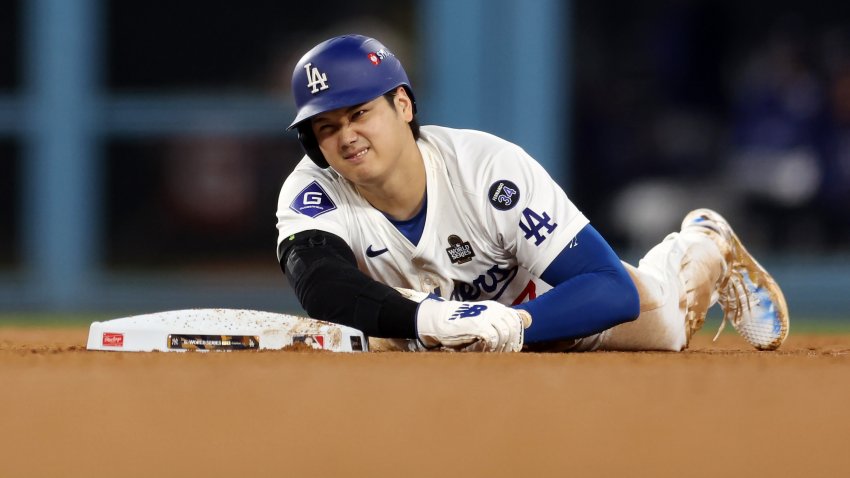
x=532, y=223
x=503, y=194
x=312, y=201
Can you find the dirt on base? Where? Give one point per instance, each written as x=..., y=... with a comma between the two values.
x=717, y=410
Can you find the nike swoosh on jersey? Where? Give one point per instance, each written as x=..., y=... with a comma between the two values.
x=373, y=253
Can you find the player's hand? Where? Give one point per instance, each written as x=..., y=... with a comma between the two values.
x=486, y=326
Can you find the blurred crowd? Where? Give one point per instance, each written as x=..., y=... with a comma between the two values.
x=746, y=110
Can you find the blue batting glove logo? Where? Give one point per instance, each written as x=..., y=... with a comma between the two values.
x=468, y=310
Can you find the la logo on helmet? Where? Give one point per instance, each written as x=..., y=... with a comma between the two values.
x=316, y=80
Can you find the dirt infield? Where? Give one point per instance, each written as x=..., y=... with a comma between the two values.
x=717, y=410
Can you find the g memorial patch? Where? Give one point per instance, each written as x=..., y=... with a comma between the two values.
x=312, y=201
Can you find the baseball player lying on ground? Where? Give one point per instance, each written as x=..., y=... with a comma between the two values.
x=438, y=238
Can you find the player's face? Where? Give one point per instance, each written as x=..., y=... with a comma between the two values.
x=367, y=142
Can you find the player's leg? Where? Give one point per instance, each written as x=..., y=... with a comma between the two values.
x=676, y=281
x=681, y=278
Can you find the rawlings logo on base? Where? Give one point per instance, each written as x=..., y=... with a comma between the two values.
x=111, y=339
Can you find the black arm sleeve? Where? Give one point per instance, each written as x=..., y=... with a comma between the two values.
x=323, y=271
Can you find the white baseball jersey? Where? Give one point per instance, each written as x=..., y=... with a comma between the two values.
x=494, y=220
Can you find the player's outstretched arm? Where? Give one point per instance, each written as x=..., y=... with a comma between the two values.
x=323, y=271
x=592, y=292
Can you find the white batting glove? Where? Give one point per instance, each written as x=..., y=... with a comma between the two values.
x=498, y=322
x=486, y=326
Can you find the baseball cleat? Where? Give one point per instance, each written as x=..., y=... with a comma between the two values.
x=751, y=300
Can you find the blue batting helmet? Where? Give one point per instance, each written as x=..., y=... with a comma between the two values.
x=341, y=72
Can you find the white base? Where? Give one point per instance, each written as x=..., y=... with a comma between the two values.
x=220, y=330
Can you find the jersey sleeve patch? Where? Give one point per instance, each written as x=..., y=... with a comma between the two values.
x=503, y=194
x=312, y=201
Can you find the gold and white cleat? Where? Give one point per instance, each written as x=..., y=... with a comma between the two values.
x=751, y=300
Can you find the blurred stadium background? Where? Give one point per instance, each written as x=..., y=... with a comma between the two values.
x=142, y=143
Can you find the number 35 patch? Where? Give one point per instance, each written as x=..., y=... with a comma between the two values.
x=532, y=223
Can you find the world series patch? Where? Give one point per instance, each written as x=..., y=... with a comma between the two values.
x=459, y=251
x=312, y=201
x=503, y=194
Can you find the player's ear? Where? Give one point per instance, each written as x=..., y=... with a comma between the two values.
x=403, y=103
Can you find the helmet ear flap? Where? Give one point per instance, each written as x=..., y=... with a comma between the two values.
x=311, y=145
